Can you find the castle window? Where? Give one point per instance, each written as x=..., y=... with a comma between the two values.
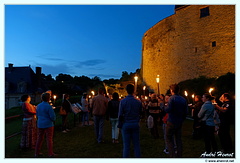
x=214, y=44
x=196, y=49
x=204, y=12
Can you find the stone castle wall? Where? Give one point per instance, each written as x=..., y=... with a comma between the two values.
x=181, y=46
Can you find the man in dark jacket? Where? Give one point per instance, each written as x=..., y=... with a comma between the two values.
x=177, y=110
x=225, y=116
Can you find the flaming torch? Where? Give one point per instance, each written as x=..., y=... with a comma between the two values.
x=54, y=98
x=144, y=88
x=193, y=98
x=210, y=91
x=186, y=94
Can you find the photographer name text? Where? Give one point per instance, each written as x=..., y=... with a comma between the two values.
x=217, y=154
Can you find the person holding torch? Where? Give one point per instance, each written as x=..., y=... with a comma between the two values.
x=225, y=115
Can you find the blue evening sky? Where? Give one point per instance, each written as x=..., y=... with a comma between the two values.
x=90, y=40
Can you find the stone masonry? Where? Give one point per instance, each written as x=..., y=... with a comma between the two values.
x=185, y=45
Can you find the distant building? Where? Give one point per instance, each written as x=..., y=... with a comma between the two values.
x=198, y=40
x=20, y=81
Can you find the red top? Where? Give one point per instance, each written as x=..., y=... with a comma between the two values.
x=29, y=110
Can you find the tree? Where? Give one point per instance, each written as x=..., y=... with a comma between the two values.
x=64, y=77
x=225, y=84
x=111, y=81
x=125, y=76
x=201, y=85
x=47, y=78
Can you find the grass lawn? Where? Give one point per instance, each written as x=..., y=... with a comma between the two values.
x=80, y=142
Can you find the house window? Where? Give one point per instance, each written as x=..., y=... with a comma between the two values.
x=214, y=44
x=204, y=12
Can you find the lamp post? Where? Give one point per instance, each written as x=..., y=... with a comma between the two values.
x=135, y=88
x=158, y=80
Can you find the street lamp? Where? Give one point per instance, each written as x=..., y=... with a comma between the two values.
x=135, y=88
x=93, y=93
x=158, y=80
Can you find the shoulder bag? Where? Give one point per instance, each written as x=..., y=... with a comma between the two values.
x=62, y=111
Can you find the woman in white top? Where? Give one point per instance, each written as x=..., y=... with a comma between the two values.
x=206, y=114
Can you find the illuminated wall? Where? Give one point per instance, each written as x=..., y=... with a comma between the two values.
x=198, y=40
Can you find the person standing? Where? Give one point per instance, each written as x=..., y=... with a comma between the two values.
x=154, y=111
x=129, y=116
x=177, y=109
x=90, y=105
x=99, y=104
x=45, y=123
x=29, y=126
x=85, y=110
x=51, y=98
x=164, y=124
x=206, y=114
x=66, y=105
x=225, y=117
x=112, y=114
x=195, y=110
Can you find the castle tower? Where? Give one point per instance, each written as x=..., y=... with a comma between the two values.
x=198, y=40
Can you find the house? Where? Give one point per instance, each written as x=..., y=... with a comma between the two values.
x=20, y=81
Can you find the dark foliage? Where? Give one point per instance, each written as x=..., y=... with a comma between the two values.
x=201, y=85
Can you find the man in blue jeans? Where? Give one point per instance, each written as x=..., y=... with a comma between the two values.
x=99, y=104
x=129, y=116
x=177, y=110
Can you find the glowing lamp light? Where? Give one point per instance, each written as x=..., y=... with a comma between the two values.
x=93, y=93
x=157, y=79
x=185, y=92
x=136, y=78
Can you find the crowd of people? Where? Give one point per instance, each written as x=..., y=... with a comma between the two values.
x=166, y=111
